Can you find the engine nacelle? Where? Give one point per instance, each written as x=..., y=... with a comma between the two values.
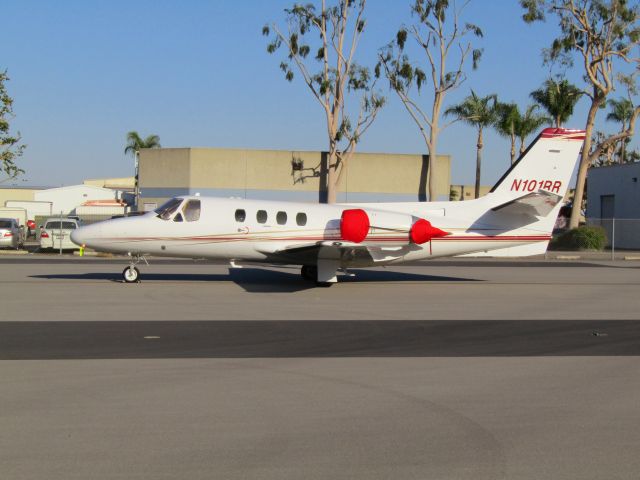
x=392, y=227
x=354, y=225
x=422, y=231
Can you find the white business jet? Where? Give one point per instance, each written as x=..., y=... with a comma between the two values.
x=515, y=219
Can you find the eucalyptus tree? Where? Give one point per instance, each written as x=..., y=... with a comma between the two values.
x=558, y=98
x=320, y=43
x=480, y=113
x=135, y=143
x=530, y=122
x=441, y=37
x=603, y=35
x=10, y=147
x=621, y=112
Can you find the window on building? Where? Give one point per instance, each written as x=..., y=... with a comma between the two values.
x=261, y=216
x=192, y=211
x=241, y=215
x=301, y=219
x=281, y=218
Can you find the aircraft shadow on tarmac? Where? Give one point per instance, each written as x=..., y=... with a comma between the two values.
x=262, y=280
x=40, y=340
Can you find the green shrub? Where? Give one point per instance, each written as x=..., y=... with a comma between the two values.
x=581, y=238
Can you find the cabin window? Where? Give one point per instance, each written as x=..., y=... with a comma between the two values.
x=281, y=218
x=168, y=208
x=192, y=211
x=241, y=215
x=178, y=217
x=261, y=216
x=301, y=219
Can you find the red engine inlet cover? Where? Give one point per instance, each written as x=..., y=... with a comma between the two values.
x=422, y=231
x=354, y=225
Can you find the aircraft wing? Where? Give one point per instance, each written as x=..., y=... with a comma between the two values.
x=534, y=204
x=308, y=254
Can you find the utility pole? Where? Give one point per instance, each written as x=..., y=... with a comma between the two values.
x=136, y=192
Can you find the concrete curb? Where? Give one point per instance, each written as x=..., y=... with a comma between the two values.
x=76, y=253
x=14, y=252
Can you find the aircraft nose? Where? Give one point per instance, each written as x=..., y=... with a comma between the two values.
x=83, y=236
x=78, y=236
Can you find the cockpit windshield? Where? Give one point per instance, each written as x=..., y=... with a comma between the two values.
x=167, y=209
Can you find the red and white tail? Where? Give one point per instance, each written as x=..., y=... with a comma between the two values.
x=545, y=167
x=529, y=196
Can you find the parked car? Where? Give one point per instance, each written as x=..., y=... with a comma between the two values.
x=56, y=233
x=11, y=234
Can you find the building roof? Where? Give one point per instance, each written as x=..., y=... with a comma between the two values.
x=23, y=187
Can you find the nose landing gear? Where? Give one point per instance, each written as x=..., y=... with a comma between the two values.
x=131, y=274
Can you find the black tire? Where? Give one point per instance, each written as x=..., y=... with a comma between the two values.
x=324, y=284
x=131, y=275
x=309, y=272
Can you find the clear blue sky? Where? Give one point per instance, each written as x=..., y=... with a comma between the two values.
x=197, y=73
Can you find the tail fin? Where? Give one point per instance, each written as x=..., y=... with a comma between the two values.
x=545, y=167
x=529, y=195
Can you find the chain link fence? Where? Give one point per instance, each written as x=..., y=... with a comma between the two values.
x=622, y=233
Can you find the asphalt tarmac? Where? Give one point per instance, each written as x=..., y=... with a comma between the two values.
x=488, y=370
x=457, y=290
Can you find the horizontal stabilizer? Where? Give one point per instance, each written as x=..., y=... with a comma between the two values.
x=535, y=204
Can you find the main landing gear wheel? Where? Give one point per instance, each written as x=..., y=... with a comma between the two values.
x=309, y=272
x=131, y=274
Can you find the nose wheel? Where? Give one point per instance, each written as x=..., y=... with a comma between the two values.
x=131, y=274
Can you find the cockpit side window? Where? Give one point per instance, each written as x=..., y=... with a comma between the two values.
x=192, y=211
x=178, y=217
x=169, y=208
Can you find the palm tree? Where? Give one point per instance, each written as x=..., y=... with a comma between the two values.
x=507, y=123
x=134, y=144
x=479, y=112
x=530, y=123
x=558, y=98
x=621, y=112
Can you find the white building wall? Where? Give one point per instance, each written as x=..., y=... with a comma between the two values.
x=621, y=183
x=66, y=199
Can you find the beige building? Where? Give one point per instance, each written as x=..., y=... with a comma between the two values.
x=466, y=192
x=283, y=175
x=18, y=193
